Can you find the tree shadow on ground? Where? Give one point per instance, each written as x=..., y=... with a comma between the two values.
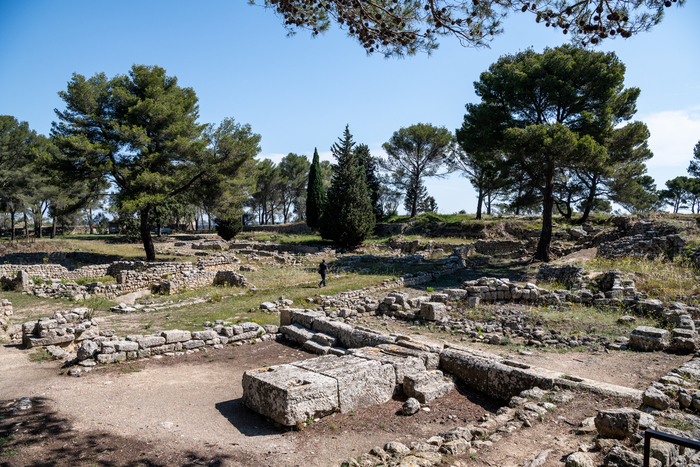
x=41, y=437
x=246, y=421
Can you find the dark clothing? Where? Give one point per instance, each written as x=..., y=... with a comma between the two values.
x=322, y=269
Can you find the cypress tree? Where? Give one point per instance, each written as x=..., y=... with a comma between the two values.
x=315, y=194
x=348, y=217
x=371, y=170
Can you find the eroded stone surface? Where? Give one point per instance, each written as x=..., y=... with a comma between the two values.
x=289, y=394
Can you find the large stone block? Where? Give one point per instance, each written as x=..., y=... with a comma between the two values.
x=288, y=394
x=331, y=327
x=647, y=338
x=204, y=335
x=496, y=377
x=150, y=341
x=402, y=365
x=175, y=335
x=431, y=360
x=51, y=339
x=432, y=311
x=296, y=333
x=306, y=317
x=361, y=383
x=427, y=386
x=244, y=336
x=617, y=423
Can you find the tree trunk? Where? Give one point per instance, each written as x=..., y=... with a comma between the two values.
x=53, y=228
x=543, y=250
x=26, y=226
x=145, y=215
x=479, y=202
x=90, y=220
x=12, y=225
x=589, y=203
x=63, y=225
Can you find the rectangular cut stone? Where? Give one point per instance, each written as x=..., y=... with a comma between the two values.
x=296, y=333
x=646, y=338
x=150, y=341
x=456, y=294
x=306, y=317
x=193, y=344
x=324, y=339
x=205, y=335
x=288, y=394
x=365, y=338
x=491, y=375
x=161, y=349
x=126, y=346
x=432, y=311
x=361, y=383
x=431, y=360
x=31, y=341
x=427, y=386
x=176, y=335
x=250, y=327
x=331, y=327
x=402, y=365
x=314, y=347
x=244, y=336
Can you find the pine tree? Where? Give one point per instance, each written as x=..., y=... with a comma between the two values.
x=315, y=194
x=348, y=217
x=371, y=174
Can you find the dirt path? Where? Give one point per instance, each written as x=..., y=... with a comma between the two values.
x=184, y=408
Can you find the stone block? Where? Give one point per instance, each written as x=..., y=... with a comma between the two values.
x=205, y=335
x=306, y=317
x=315, y=347
x=431, y=360
x=193, y=344
x=427, y=386
x=175, y=335
x=244, y=336
x=617, y=423
x=126, y=346
x=288, y=394
x=647, y=338
x=402, y=365
x=50, y=339
x=324, y=339
x=655, y=398
x=296, y=333
x=456, y=294
x=332, y=328
x=251, y=327
x=150, y=341
x=361, y=383
x=432, y=311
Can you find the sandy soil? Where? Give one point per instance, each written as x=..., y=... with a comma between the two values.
x=176, y=410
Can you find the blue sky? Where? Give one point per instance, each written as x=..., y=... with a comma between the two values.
x=300, y=92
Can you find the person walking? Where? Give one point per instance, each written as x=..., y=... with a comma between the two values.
x=322, y=269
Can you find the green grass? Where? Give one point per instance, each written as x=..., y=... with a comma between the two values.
x=40, y=355
x=658, y=278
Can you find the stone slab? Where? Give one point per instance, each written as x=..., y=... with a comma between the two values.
x=402, y=365
x=288, y=394
x=296, y=333
x=361, y=383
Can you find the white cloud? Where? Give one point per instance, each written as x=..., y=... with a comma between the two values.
x=674, y=134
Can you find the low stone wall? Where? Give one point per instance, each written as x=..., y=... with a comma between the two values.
x=299, y=228
x=191, y=281
x=218, y=263
x=65, y=259
x=54, y=271
x=570, y=275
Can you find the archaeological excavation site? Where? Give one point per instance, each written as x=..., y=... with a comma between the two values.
x=445, y=346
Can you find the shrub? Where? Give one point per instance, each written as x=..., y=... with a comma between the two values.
x=229, y=227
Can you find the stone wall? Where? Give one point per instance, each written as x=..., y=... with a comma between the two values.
x=569, y=274
x=644, y=238
x=218, y=263
x=65, y=259
x=299, y=228
x=390, y=230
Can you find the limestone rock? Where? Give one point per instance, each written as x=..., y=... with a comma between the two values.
x=411, y=406
x=288, y=394
x=579, y=459
x=617, y=423
x=427, y=386
x=620, y=457
x=647, y=338
x=456, y=447
x=655, y=398
x=87, y=349
x=432, y=311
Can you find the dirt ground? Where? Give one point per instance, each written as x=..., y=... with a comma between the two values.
x=188, y=411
